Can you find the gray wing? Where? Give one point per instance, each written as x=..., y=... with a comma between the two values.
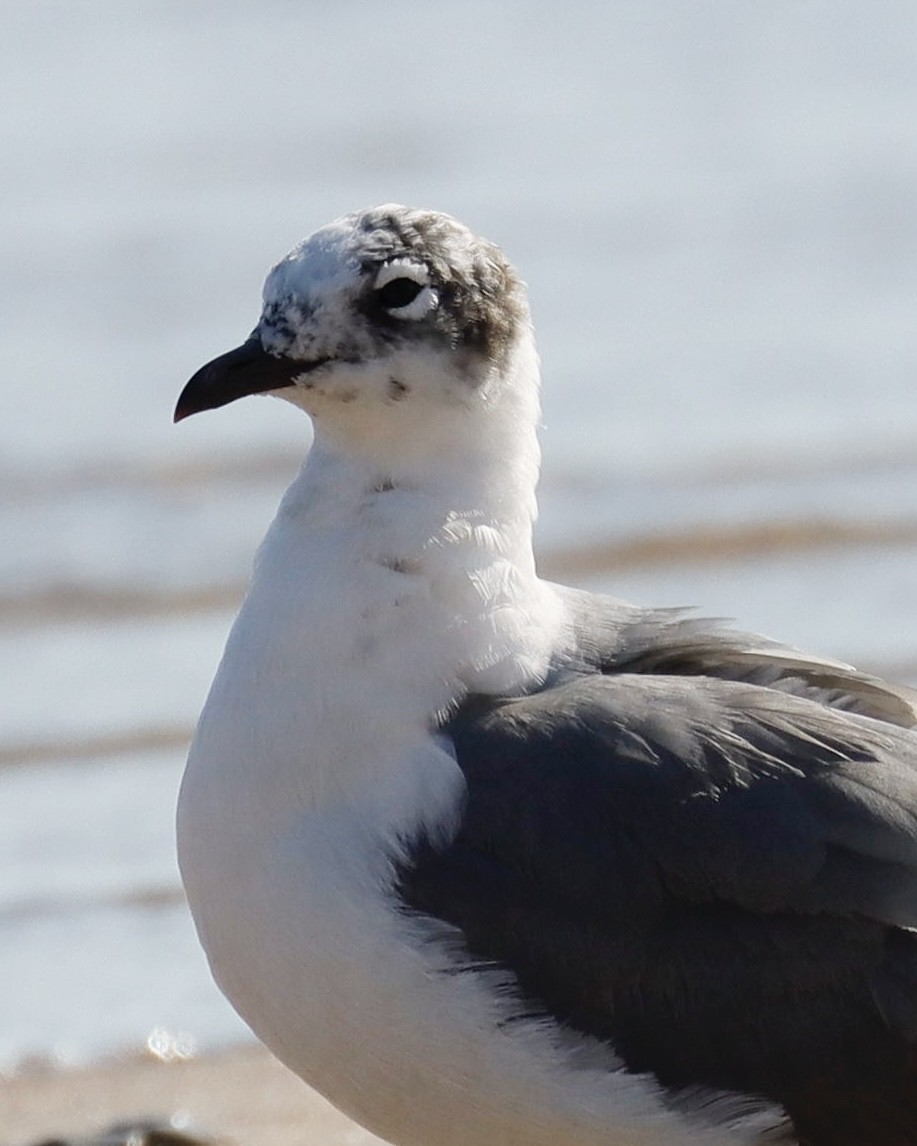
x=613, y=636
x=716, y=876
x=734, y=792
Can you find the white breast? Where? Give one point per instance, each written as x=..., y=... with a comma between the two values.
x=313, y=761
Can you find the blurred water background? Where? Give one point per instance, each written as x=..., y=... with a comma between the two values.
x=714, y=205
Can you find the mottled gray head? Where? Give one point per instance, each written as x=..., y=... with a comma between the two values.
x=376, y=308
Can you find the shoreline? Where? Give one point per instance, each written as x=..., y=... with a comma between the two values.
x=242, y=1097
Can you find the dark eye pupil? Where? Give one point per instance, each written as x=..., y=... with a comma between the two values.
x=399, y=292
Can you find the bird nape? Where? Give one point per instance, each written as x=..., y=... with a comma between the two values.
x=489, y=861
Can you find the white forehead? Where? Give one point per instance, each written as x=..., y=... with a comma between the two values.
x=332, y=259
x=323, y=264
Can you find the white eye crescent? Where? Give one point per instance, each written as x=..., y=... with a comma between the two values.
x=403, y=289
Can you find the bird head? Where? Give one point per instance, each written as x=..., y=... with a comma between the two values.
x=380, y=318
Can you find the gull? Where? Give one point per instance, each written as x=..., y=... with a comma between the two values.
x=490, y=861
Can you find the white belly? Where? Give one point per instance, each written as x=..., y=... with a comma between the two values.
x=364, y=1003
x=312, y=762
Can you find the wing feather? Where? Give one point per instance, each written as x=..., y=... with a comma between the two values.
x=716, y=877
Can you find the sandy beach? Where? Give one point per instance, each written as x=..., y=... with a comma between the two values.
x=243, y=1096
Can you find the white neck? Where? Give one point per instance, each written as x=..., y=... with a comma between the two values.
x=389, y=585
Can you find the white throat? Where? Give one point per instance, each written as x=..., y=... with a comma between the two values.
x=387, y=587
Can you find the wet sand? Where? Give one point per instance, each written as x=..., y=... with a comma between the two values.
x=242, y=1097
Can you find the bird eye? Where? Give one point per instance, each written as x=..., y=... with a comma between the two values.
x=404, y=291
x=399, y=292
